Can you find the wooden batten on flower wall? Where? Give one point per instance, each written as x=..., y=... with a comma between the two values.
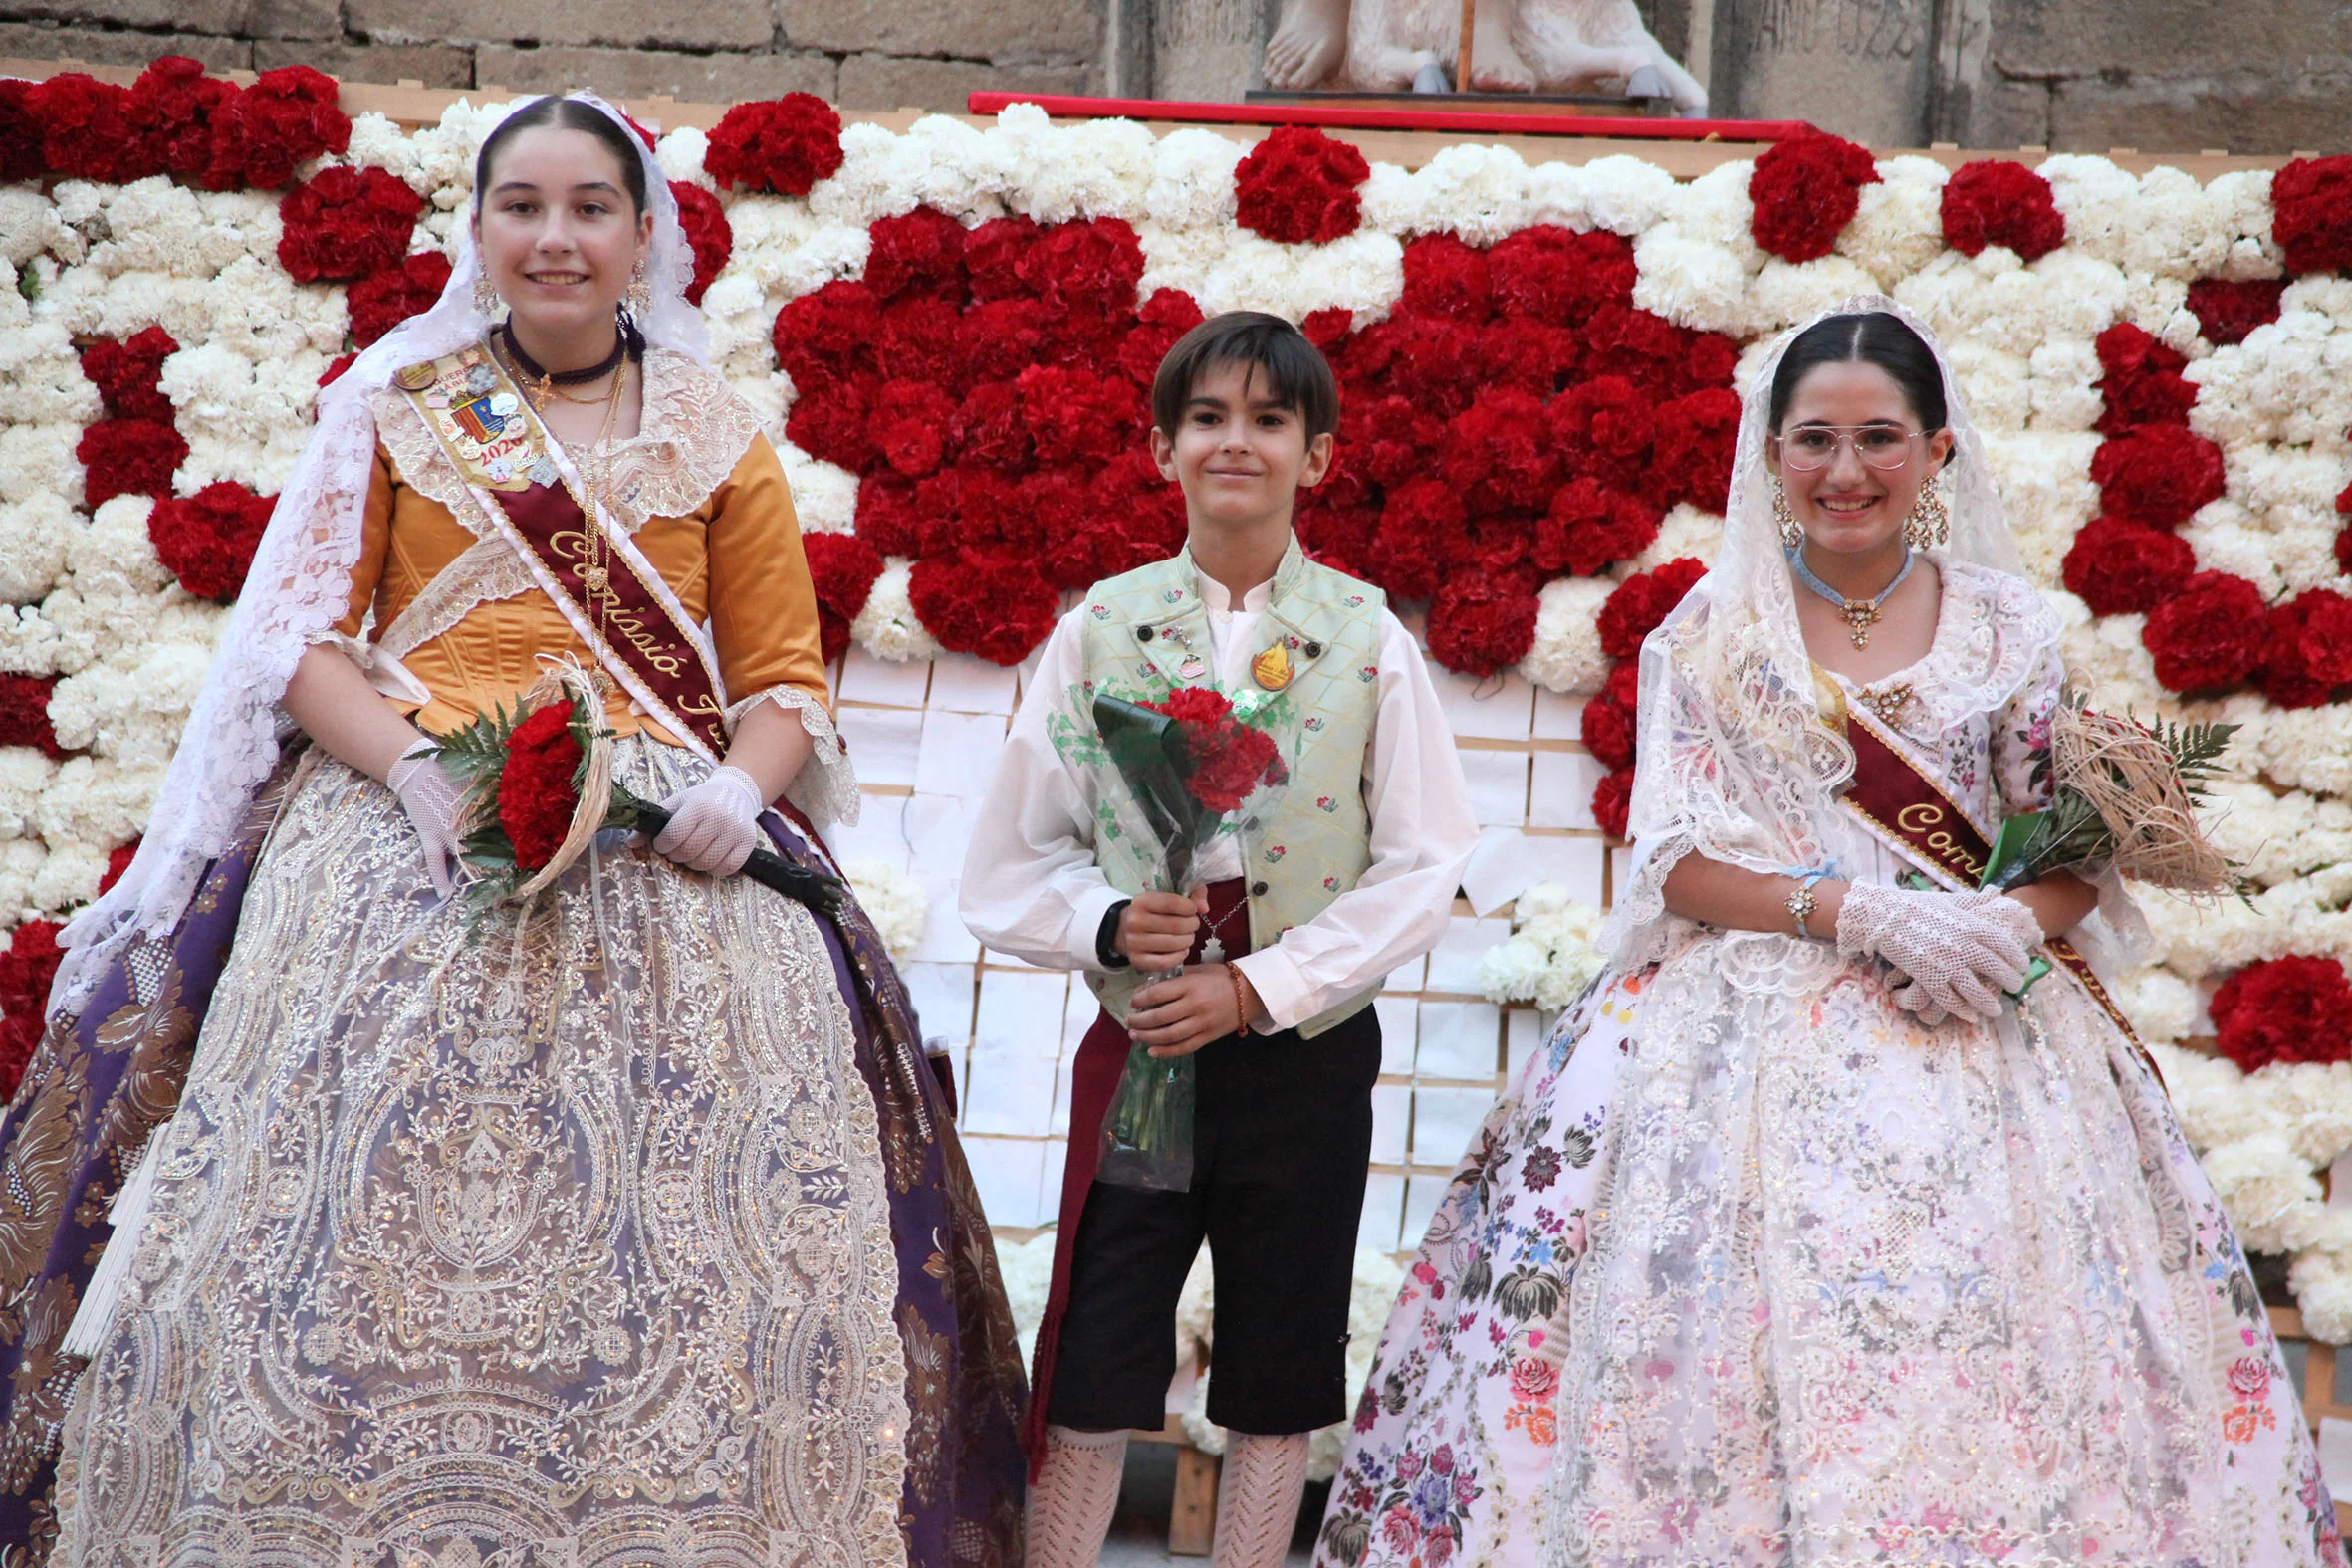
x=1540, y=339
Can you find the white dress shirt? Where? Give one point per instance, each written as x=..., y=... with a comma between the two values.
x=1031, y=887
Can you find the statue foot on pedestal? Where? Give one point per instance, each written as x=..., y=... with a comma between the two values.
x=1307, y=44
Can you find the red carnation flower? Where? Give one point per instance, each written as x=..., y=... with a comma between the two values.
x=289, y=117
x=843, y=568
x=2118, y=567
x=118, y=861
x=1709, y=362
x=989, y=428
x=1444, y=277
x=1076, y=417
x=1589, y=524
x=640, y=132
x=1612, y=801
x=1298, y=188
x=2143, y=385
x=334, y=369
x=2213, y=632
x=1805, y=190
x=1555, y=276
x=1423, y=528
x=920, y=252
x=1996, y=202
x=1527, y=356
x=908, y=425
x=1227, y=758
x=1641, y=601
x=1605, y=427
x=992, y=257
x=786, y=145
x=27, y=967
x=128, y=457
x=708, y=231
x=537, y=789
x=974, y=603
x=1608, y=729
x=1499, y=454
x=2284, y=1010
x=1393, y=439
x=832, y=425
x=21, y=155
x=2227, y=312
x=86, y=131
x=1692, y=458
x=2157, y=475
x=885, y=517
x=345, y=223
x=207, y=540
x=1624, y=684
x=128, y=374
x=1328, y=327
x=923, y=339
x=1661, y=359
x=1421, y=357
x=1164, y=318
x=2309, y=653
x=389, y=296
x=1483, y=621
x=173, y=105
x=824, y=339
x=2311, y=213
x=24, y=713
x=1338, y=536
x=1089, y=268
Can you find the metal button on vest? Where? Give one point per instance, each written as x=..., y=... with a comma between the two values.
x=1143, y=634
x=1257, y=890
x=1314, y=650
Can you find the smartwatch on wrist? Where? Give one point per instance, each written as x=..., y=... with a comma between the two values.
x=1107, y=936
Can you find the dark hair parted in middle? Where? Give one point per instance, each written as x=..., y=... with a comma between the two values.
x=566, y=114
x=1296, y=375
x=1872, y=337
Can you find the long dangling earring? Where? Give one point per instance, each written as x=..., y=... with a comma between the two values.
x=485, y=297
x=639, y=299
x=1793, y=533
x=1930, y=523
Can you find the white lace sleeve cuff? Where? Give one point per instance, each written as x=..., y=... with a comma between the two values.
x=825, y=787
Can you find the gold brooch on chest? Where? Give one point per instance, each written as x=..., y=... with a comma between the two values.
x=1886, y=701
x=1271, y=669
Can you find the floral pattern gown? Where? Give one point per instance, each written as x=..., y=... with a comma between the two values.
x=1750, y=1267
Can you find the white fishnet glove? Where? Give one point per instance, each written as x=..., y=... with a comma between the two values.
x=1960, y=951
x=715, y=824
x=430, y=795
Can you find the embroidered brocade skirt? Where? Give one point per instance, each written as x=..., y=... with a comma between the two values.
x=564, y=1235
x=1750, y=1269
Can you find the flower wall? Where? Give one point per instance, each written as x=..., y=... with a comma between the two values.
x=950, y=334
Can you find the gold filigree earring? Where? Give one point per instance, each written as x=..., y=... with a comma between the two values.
x=1930, y=523
x=485, y=297
x=639, y=299
x=1793, y=533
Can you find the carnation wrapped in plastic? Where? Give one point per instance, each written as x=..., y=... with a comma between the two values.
x=539, y=789
x=1177, y=772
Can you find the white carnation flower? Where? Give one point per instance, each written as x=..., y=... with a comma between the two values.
x=1566, y=655
x=888, y=627
x=1192, y=184
x=68, y=878
x=2161, y=1005
x=35, y=537
x=964, y=174
x=20, y=867
x=1899, y=226
x=41, y=379
x=1714, y=208
x=1624, y=194
x=1478, y=193
x=2098, y=201
x=1785, y=293
x=1689, y=281
x=894, y=901
x=1995, y=384
x=2263, y=1184
x=377, y=142
x=825, y=494
x=2240, y=207
x=24, y=774
x=2062, y=387
x=29, y=224
x=115, y=556
x=28, y=640
x=680, y=153
x=1685, y=531
x=39, y=460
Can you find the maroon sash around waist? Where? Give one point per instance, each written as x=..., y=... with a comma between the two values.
x=1907, y=810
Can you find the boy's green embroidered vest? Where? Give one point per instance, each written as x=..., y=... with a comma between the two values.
x=1313, y=842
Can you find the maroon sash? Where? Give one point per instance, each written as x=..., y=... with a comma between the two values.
x=1908, y=810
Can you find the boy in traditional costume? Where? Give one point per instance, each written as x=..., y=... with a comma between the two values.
x=1298, y=918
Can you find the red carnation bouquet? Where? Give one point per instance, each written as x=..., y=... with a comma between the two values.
x=539, y=789
x=1178, y=772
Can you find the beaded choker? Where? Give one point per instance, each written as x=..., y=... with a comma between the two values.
x=1860, y=614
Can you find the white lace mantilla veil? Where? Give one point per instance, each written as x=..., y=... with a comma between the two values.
x=1734, y=761
x=299, y=586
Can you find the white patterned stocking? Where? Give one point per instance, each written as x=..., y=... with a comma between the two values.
x=1258, y=1498
x=1076, y=1491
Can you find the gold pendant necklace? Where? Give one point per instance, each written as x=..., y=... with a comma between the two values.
x=1860, y=614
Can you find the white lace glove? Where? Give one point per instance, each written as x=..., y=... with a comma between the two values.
x=1960, y=951
x=430, y=795
x=715, y=824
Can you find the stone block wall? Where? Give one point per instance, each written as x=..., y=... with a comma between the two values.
x=860, y=53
